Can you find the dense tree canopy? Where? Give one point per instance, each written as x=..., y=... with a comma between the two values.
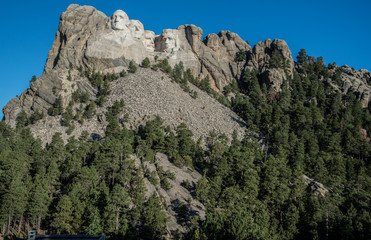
x=252, y=188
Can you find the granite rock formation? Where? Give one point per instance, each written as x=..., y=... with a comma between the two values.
x=148, y=93
x=317, y=188
x=87, y=38
x=357, y=82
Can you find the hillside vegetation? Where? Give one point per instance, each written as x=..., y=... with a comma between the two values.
x=252, y=188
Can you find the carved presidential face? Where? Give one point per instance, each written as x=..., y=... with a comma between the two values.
x=137, y=29
x=171, y=40
x=119, y=20
x=167, y=42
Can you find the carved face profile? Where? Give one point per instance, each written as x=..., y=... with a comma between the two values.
x=137, y=29
x=167, y=42
x=170, y=41
x=119, y=20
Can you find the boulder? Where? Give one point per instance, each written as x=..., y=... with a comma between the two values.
x=316, y=187
x=274, y=79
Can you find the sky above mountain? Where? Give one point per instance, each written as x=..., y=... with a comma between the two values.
x=340, y=31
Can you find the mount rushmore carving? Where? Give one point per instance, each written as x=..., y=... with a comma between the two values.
x=88, y=38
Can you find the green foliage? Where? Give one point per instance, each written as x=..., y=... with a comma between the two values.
x=177, y=74
x=276, y=60
x=115, y=109
x=38, y=205
x=90, y=110
x=54, y=90
x=123, y=73
x=67, y=116
x=154, y=219
x=194, y=94
x=205, y=84
x=57, y=108
x=145, y=63
x=132, y=67
x=36, y=116
x=78, y=96
x=302, y=57
x=33, y=79
x=22, y=119
x=252, y=188
x=69, y=77
x=153, y=178
x=202, y=190
x=232, y=87
x=62, y=218
x=116, y=211
x=164, y=66
x=101, y=83
x=241, y=55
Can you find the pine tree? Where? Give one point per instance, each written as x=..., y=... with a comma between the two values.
x=93, y=222
x=115, y=214
x=202, y=189
x=57, y=108
x=145, y=63
x=132, y=67
x=137, y=194
x=38, y=205
x=90, y=110
x=22, y=119
x=154, y=219
x=63, y=217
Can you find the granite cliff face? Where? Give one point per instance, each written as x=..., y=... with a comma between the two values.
x=87, y=38
x=357, y=82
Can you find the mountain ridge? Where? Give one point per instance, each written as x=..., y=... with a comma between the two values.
x=174, y=135
x=222, y=57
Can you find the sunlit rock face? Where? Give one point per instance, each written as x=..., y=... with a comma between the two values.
x=86, y=37
x=173, y=45
x=137, y=29
x=168, y=41
x=121, y=38
x=119, y=20
x=149, y=40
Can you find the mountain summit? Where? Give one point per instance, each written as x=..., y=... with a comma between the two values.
x=88, y=39
x=180, y=136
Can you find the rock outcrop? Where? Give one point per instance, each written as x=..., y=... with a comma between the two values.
x=179, y=198
x=87, y=38
x=272, y=76
x=148, y=93
x=357, y=82
x=77, y=24
x=316, y=187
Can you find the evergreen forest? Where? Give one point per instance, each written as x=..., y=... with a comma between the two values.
x=252, y=188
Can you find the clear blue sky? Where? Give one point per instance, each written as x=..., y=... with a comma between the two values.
x=338, y=30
